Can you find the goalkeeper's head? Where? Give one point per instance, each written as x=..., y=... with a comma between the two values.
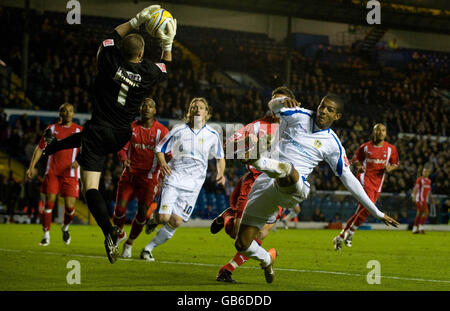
x=132, y=47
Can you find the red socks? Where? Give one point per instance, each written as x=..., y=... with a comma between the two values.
x=47, y=215
x=136, y=228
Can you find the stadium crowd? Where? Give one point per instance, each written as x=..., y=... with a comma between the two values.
x=62, y=66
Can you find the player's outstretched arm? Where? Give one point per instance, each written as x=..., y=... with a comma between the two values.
x=353, y=185
x=37, y=154
x=282, y=102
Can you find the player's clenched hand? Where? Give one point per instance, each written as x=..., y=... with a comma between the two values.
x=389, y=221
x=165, y=169
x=30, y=173
x=74, y=164
x=143, y=16
x=290, y=103
x=221, y=180
x=127, y=163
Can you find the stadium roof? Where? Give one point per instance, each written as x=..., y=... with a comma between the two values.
x=414, y=15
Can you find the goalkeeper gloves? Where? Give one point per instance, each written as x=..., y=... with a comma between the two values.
x=167, y=34
x=143, y=16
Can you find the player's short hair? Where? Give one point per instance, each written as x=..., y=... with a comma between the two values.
x=148, y=100
x=283, y=90
x=187, y=118
x=337, y=100
x=132, y=45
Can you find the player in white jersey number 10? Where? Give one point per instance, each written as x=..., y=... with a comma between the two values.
x=305, y=139
x=191, y=145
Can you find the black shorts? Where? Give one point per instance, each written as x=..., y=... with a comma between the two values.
x=97, y=142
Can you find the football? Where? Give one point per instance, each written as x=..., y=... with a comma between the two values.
x=157, y=20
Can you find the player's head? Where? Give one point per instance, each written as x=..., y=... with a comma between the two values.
x=148, y=109
x=379, y=133
x=282, y=91
x=426, y=171
x=330, y=109
x=66, y=113
x=133, y=47
x=198, y=111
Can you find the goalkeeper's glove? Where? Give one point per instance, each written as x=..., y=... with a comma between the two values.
x=167, y=34
x=143, y=16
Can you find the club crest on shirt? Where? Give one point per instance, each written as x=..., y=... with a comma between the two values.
x=317, y=143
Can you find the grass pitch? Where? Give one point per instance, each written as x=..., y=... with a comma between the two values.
x=191, y=259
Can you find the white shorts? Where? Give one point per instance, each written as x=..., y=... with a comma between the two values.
x=177, y=201
x=266, y=196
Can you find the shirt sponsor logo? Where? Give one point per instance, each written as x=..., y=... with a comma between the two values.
x=143, y=146
x=161, y=67
x=108, y=42
x=376, y=161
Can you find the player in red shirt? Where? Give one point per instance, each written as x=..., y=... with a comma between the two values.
x=420, y=195
x=61, y=174
x=248, y=136
x=372, y=160
x=140, y=174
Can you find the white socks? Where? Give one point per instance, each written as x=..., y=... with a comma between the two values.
x=255, y=251
x=164, y=234
x=46, y=235
x=273, y=168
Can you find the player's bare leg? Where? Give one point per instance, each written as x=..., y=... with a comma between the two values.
x=69, y=214
x=97, y=206
x=47, y=218
x=139, y=220
x=170, y=225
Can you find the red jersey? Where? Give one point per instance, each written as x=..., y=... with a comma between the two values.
x=59, y=163
x=261, y=127
x=141, y=148
x=374, y=159
x=423, y=189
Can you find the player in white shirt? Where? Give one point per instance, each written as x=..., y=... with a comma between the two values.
x=191, y=145
x=305, y=139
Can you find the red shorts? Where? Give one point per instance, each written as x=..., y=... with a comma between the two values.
x=65, y=186
x=136, y=185
x=422, y=207
x=239, y=197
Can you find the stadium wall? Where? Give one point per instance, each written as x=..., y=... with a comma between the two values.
x=274, y=26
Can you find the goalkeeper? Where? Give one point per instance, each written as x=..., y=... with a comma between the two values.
x=124, y=79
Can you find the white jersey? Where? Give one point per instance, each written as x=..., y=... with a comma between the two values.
x=191, y=150
x=305, y=146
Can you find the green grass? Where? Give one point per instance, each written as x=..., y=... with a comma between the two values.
x=191, y=259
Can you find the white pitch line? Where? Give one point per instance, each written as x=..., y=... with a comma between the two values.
x=215, y=265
